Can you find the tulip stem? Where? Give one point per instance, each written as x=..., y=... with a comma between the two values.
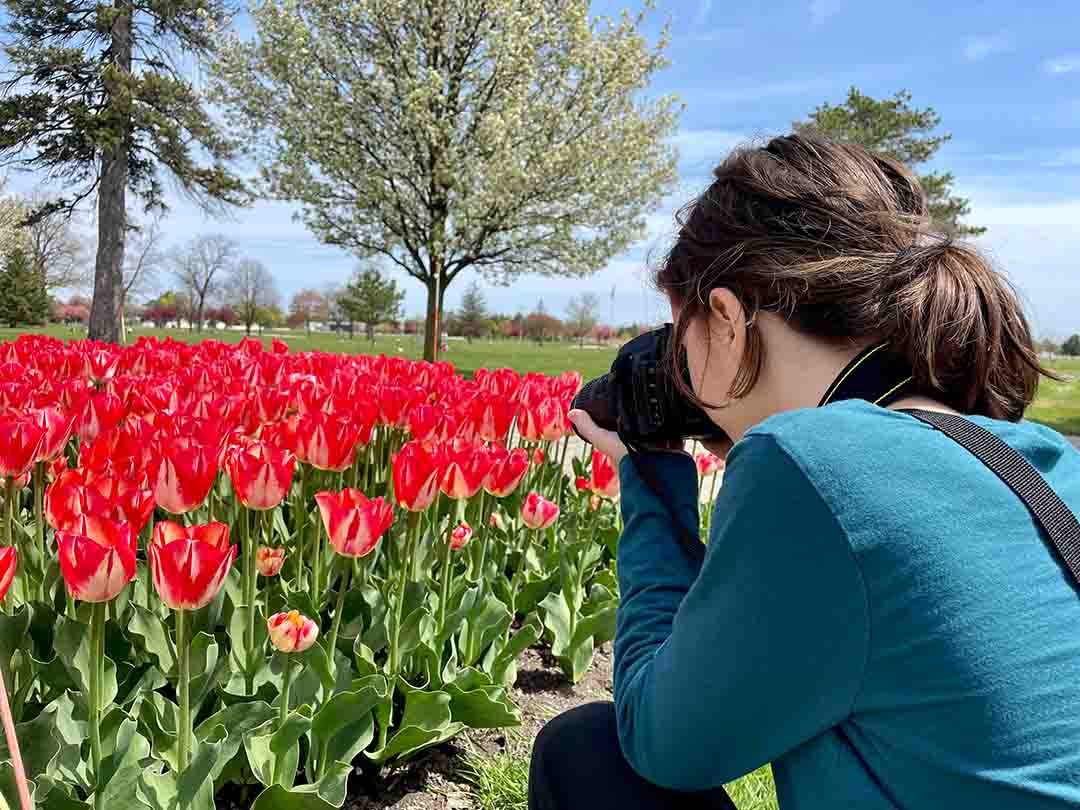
x=339, y=609
x=183, y=686
x=249, y=596
x=301, y=519
x=412, y=540
x=9, y=505
x=97, y=656
x=39, y=522
x=448, y=565
x=283, y=716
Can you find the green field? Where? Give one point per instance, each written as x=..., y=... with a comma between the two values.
x=549, y=358
x=1058, y=404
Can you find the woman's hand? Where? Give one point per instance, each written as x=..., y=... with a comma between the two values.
x=606, y=441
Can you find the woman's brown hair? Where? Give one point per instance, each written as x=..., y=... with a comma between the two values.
x=839, y=242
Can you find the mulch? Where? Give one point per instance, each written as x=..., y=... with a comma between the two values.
x=436, y=780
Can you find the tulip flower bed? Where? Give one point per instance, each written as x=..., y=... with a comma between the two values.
x=221, y=564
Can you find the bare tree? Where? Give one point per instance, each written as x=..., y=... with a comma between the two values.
x=250, y=290
x=581, y=315
x=143, y=260
x=200, y=267
x=54, y=246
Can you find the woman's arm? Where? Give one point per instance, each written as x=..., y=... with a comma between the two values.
x=720, y=671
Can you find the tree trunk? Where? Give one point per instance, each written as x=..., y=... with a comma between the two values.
x=112, y=193
x=434, y=321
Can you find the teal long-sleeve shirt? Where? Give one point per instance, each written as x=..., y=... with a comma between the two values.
x=877, y=615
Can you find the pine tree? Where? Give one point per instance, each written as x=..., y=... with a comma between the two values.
x=94, y=94
x=894, y=128
x=370, y=298
x=473, y=316
x=24, y=301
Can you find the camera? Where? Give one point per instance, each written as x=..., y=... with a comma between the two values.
x=640, y=401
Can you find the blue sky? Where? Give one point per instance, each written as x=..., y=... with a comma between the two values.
x=1005, y=77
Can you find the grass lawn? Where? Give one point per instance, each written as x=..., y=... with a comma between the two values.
x=548, y=358
x=502, y=782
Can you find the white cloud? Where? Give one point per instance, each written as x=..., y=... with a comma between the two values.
x=822, y=10
x=1062, y=64
x=979, y=48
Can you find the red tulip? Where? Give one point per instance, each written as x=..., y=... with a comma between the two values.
x=354, y=523
x=325, y=441
x=279, y=346
x=465, y=466
x=507, y=471
x=291, y=632
x=183, y=474
x=538, y=456
x=538, y=512
x=460, y=536
x=551, y=414
x=605, y=479
x=101, y=362
x=492, y=416
x=416, y=477
x=100, y=413
x=131, y=503
x=581, y=484
x=189, y=564
x=707, y=463
x=69, y=496
x=261, y=474
x=395, y=402
x=20, y=441
x=98, y=561
x=57, y=427
x=268, y=560
x=426, y=422
x=9, y=558
x=269, y=404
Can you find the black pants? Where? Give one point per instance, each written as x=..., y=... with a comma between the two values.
x=577, y=763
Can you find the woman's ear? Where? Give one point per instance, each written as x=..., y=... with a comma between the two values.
x=727, y=318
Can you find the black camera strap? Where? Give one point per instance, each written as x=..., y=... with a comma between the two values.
x=1049, y=511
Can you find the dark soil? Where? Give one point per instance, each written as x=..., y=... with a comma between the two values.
x=436, y=781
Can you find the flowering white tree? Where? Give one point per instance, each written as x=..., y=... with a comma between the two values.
x=509, y=136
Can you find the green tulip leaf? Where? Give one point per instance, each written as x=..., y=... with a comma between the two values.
x=303, y=798
x=477, y=703
x=427, y=721
x=73, y=649
x=205, y=667
x=557, y=620
x=481, y=628
x=296, y=725
x=344, y=726
x=149, y=632
x=13, y=632
x=123, y=768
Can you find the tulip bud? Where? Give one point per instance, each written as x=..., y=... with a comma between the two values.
x=594, y=502
x=460, y=536
x=538, y=456
x=538, y=512
x=268, y=560
x=582, y=484
x=291, y=632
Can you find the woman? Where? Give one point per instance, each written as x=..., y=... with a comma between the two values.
x=877, y=614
